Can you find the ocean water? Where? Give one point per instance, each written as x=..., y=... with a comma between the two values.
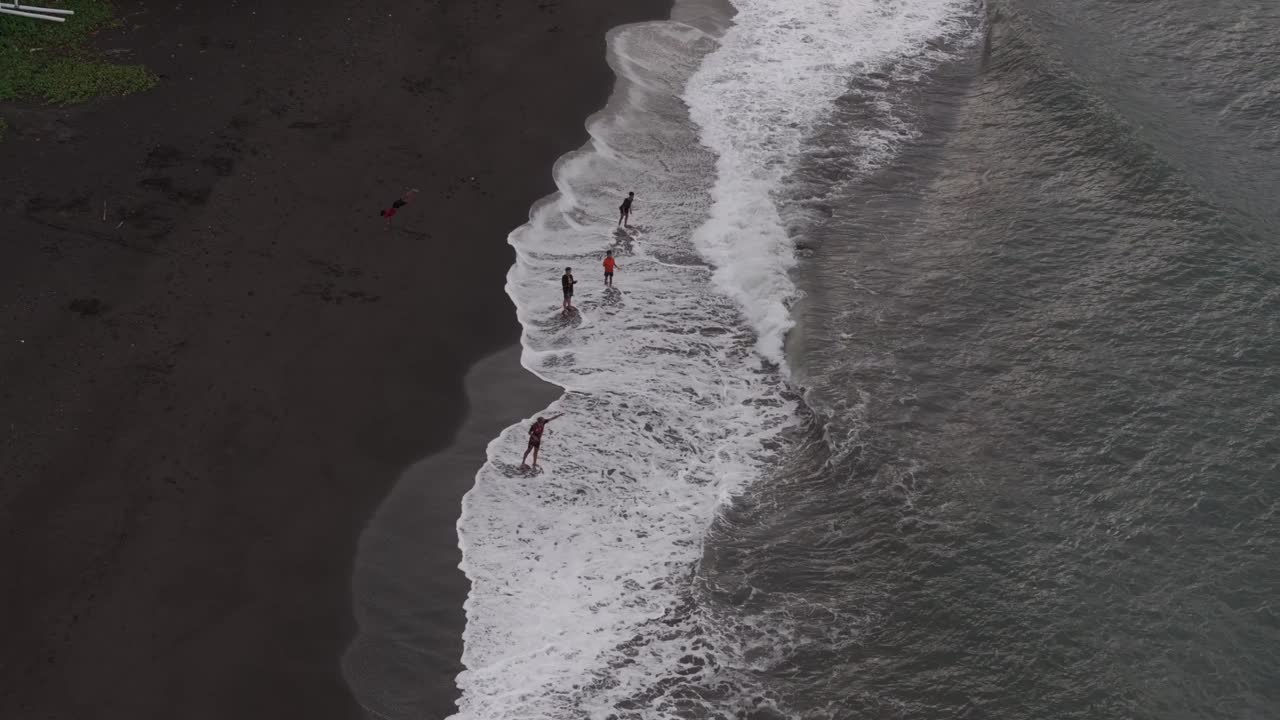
x=938, y=381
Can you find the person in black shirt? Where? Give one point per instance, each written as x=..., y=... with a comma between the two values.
x=566, y=283
x=624, y=210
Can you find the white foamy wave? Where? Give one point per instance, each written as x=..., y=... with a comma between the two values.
x=583, y=603
x=664, y=416
x=776, y=74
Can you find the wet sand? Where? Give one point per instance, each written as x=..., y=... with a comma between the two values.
x=215, y=362
x=408, y=589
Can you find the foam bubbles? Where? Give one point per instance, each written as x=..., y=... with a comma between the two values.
x=583, y=600
x=776, y=75
x=663, y=416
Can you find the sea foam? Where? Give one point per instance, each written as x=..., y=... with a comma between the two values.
x=676, y=390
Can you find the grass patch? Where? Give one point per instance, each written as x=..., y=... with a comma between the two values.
x=52, y=62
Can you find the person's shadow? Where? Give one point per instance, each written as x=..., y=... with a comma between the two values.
x=568, y=319
x=624, y=239
x=515, y=470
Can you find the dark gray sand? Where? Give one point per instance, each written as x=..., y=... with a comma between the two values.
x=215, y=362
x=408, y=589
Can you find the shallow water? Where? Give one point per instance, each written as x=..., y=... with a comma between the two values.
x=938, y=380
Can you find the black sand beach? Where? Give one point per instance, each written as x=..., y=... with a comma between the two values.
x=408, y=590
x=214, y=362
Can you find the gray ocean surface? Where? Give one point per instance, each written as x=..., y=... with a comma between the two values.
x=1039, y=479
x=1036, y=474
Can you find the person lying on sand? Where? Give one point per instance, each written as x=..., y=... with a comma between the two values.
x=535, y=440
x=395, y=206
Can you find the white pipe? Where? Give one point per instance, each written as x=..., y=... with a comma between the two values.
x=52, y=11
x=55, y=18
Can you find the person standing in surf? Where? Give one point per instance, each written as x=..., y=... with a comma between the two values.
x=535, y=441
x=609, y=265
x=624, y=210
x=566, y=283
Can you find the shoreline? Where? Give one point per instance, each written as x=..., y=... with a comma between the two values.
x=211, y=390
x=408, y=592
x=405, y=669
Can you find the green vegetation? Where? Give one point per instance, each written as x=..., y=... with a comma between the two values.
x=41, y=60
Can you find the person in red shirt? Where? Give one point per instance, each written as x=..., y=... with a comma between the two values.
x=395, y=206
x=609, y=265
x=535, y=441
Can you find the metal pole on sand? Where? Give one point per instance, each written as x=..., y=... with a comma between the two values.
x=40, y=13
